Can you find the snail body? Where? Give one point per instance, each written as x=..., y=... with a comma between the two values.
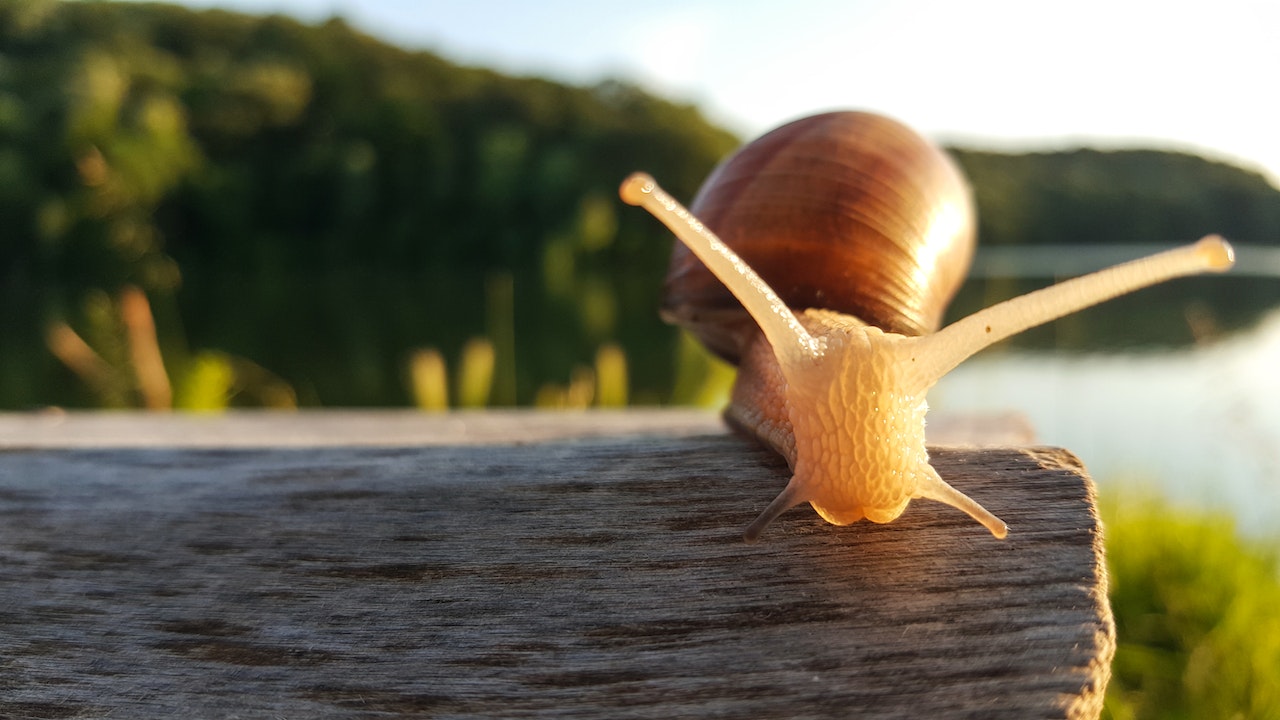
x=835, y=364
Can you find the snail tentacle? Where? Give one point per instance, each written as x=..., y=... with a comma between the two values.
x=931, y=486
x=788, y=337
x=790, y=497
x=939, y=353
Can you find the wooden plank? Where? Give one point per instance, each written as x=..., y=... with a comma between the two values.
x=599, y=577
x=60, y=429
x=57, y=428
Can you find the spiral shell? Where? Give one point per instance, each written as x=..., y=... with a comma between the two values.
x=847, y=211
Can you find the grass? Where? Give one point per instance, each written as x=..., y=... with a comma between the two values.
x=1197, y=610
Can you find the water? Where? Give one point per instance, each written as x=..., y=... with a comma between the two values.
x=1200, y=425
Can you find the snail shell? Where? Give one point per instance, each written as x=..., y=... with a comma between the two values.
x=847, y=211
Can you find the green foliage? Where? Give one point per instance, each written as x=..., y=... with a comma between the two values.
x=183, y=151
x=207, y=385
x=1195, y=608
x=1124, y=196
x=328, y=204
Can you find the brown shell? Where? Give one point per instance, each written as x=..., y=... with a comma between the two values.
x=847, y=211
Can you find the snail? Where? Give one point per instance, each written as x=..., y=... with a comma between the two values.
x=860, y=231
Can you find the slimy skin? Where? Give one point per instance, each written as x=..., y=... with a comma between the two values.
x=844, y=402
x=852, y=428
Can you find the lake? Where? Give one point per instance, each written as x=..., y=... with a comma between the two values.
x=1200, y=424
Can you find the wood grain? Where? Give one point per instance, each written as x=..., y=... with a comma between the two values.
x=600, y=577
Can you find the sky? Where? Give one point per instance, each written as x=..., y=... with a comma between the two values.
x=1004, y=74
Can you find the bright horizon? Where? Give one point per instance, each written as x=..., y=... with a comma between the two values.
x=998, y=74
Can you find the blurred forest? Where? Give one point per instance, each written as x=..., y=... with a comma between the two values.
x=202, y=208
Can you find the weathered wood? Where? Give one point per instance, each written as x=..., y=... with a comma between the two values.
x=600, y=577
x=59, y=429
